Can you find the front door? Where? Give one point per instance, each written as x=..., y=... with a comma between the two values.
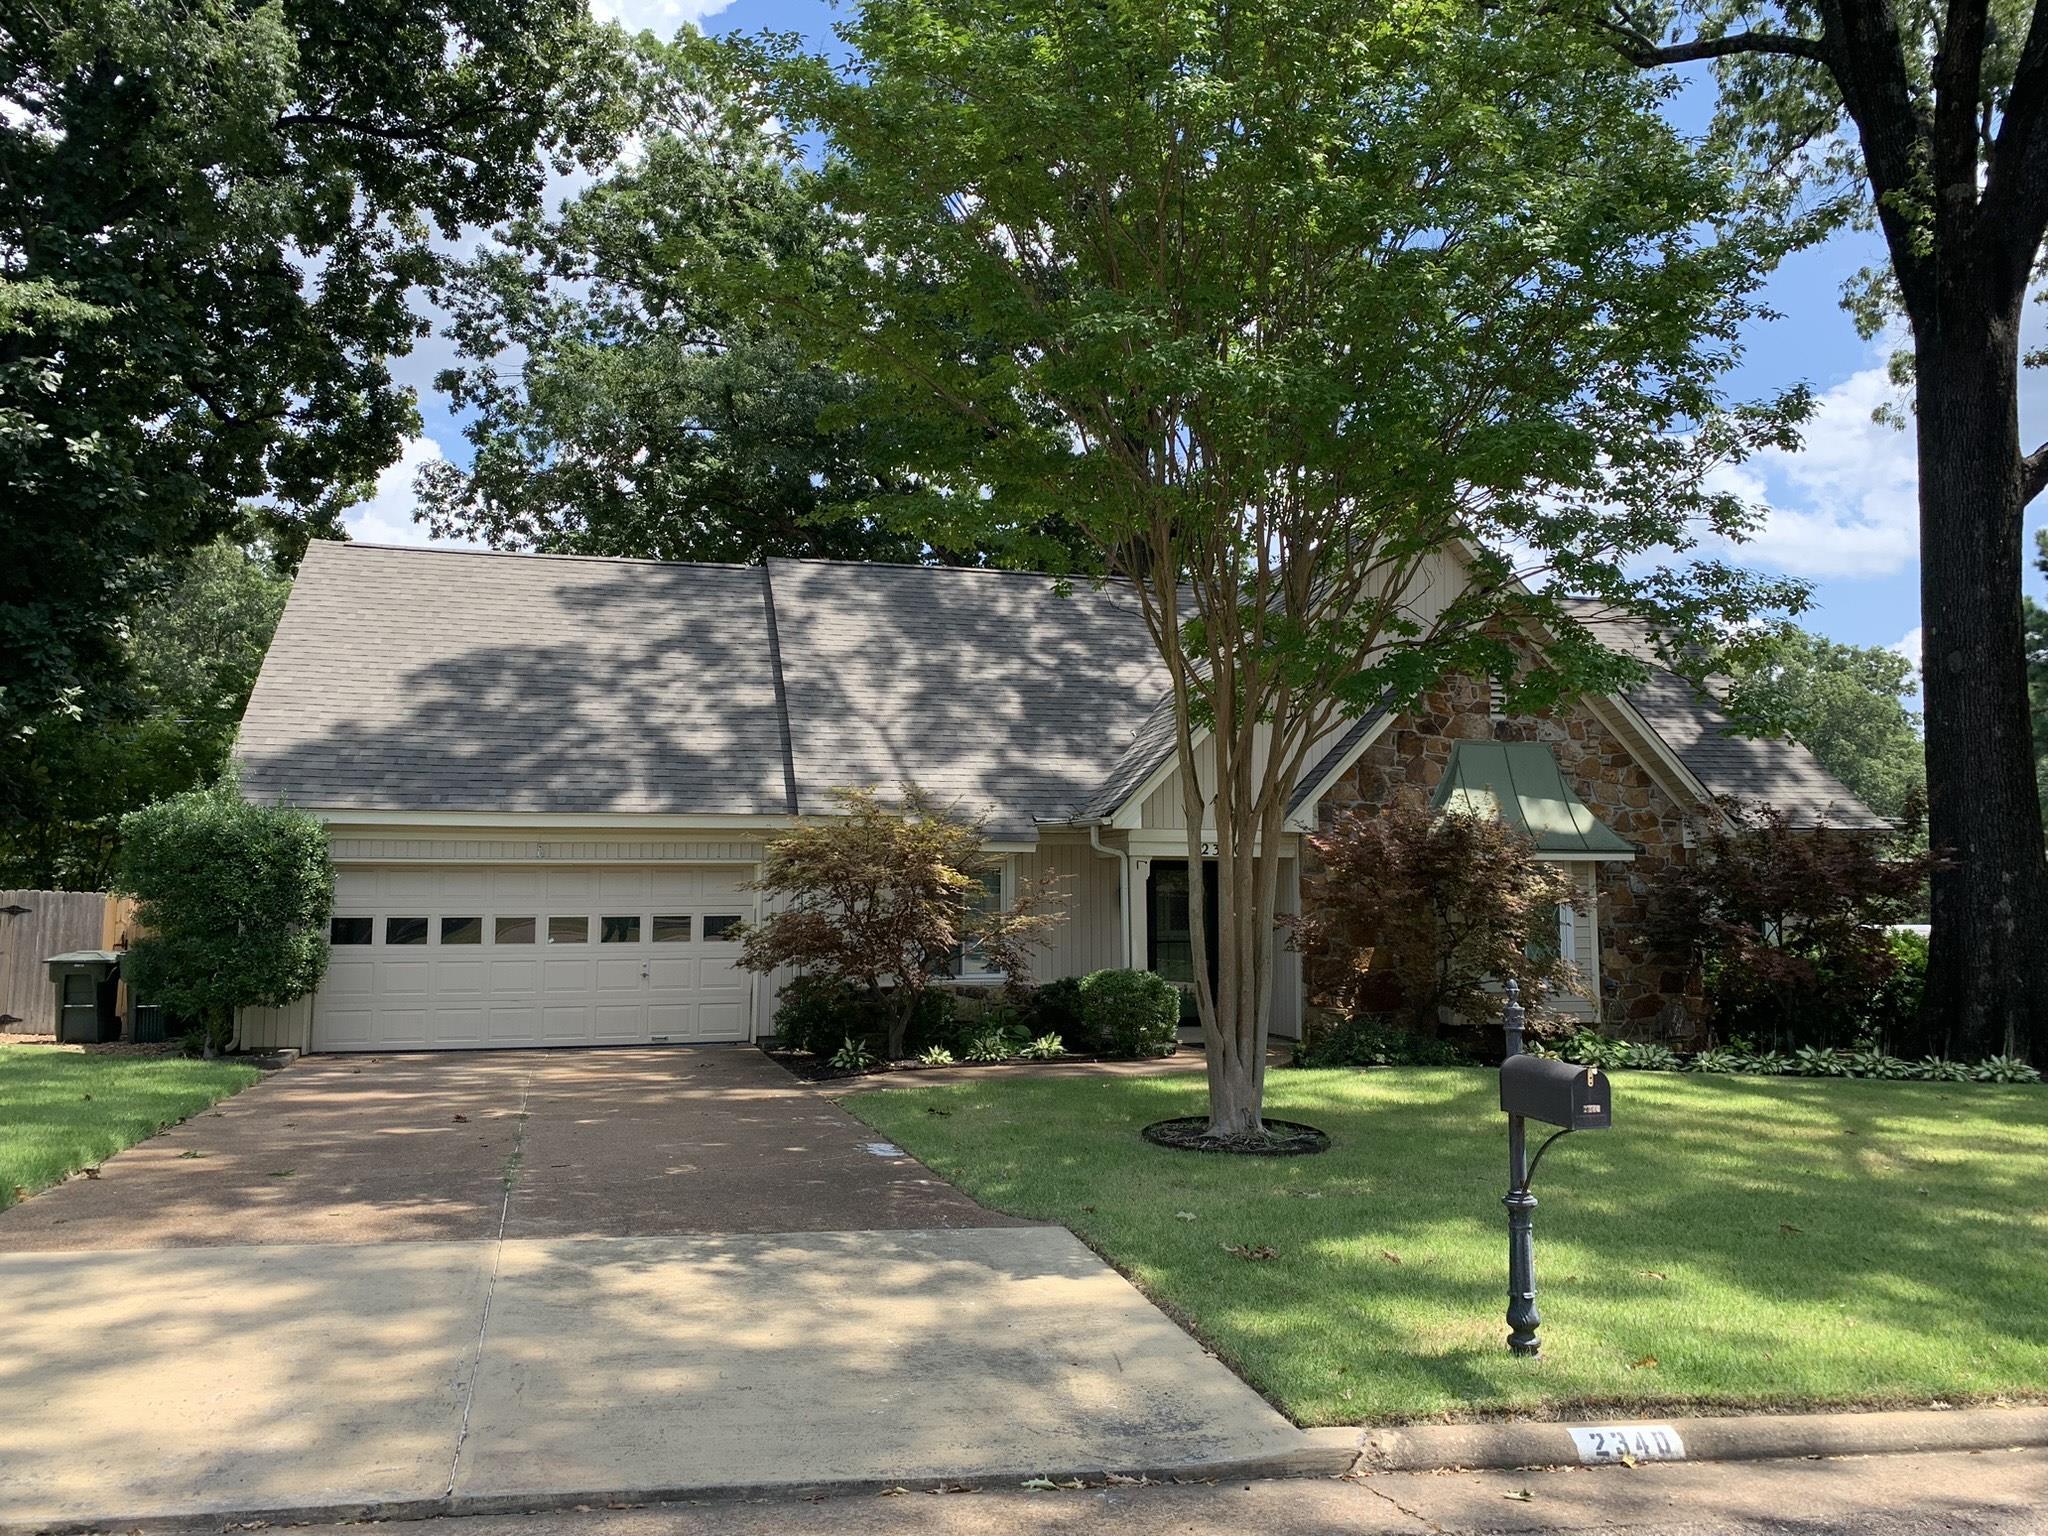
x=1169, y=923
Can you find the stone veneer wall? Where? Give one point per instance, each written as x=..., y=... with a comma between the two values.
x=1639, y=994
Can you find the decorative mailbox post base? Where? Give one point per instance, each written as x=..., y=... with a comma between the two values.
x=1523, y=1318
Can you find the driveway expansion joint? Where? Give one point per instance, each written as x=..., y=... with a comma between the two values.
x=483, y=1329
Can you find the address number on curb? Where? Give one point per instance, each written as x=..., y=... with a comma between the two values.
x=1629, y=1442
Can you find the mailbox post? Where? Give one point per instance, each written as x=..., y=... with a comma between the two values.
x=1572, y=1098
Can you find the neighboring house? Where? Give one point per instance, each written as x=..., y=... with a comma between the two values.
x=548, y=780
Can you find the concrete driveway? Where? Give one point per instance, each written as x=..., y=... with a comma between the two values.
x=524, y=1144
x=429, y=1283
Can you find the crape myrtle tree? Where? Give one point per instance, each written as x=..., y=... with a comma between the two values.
x=1929, y=120
x=212, y=213
x=1294, y=309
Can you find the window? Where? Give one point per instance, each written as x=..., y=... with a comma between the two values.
x=618, y=930
x=1546, y=945
x=462, y=930
x=350, y=930
x=568, y=930
x=721, y=929
x=514, y=930
x=405, y=930
x=672, y=930
x=966, y=960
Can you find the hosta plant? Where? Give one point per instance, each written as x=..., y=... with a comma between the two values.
x=936, y=1056
x=1812, y=1061
x=2006, y=1069
x=1877, y=1064
x=853, y=1056
x=1649, y=1058
x=1939, y=1069
x=1045, y=1048
x=1716, y=1061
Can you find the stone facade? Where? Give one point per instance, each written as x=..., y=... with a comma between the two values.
x=1639, y=995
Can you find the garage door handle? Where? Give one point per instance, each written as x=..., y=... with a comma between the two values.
x=643, y=970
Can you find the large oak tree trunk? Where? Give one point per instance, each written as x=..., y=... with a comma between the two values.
x=1987, y=980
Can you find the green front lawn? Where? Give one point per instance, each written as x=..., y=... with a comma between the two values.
x=1733, y=1241
x=61, y=1111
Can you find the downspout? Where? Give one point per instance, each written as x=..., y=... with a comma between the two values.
x=1123, y=890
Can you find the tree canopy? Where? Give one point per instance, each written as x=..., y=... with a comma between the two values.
x=165, y=724
x=632, y=384
x=212, y=216
x=1846, y=703
x=1325, y=323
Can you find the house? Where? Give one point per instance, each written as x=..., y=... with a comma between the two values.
x=548, y=780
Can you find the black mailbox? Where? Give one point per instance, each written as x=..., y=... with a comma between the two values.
x=1556, y=1092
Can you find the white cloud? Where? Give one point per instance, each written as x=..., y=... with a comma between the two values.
x=1908, y=646
x=1844, y=503
x=661, y=16
x=387, y=517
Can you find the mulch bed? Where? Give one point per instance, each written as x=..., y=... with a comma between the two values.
x=110, y=1048
x=1283, y=1138
x=819, y=1069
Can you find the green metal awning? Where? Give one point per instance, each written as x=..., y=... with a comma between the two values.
x=1520, y=782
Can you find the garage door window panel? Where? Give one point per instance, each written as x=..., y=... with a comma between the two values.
x=462, y=930
x=513, y=930
x=351, y=930
x=568, y=930
x=721, y=928
x=672, y=930
x=618, y=930
x=405, y=930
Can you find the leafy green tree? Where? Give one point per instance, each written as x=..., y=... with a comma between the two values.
x=190, y=660
x=629, y=388
x=1305, y=314
x=1845, y=703
x=232, y=904
x=1930, y=121
x=212, y=213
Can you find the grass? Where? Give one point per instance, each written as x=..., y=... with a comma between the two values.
x=61, y=1111
x=1732, y=1242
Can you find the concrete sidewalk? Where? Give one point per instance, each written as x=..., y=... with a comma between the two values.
x=423, y=1376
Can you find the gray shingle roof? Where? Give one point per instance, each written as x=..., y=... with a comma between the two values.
x=413, y=679
x=991, y=689
x=406, y=679
x=1778, y=772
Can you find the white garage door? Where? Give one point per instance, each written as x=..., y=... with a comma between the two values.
x=451, y=958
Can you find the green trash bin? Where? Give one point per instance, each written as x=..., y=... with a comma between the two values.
x=86, y=981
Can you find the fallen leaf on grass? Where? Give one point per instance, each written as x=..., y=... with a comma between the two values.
x=1257, y=1255
x=933, y=1109
x=1789, y=1230
x=90, y=1173
x=88, y=1095
x=1185, y=1215
x=1653, y=1274
x=1390, y=1256
x=1647, y=1363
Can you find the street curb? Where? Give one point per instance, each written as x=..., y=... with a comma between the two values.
x=1756, y=1437
x=1322, y=1453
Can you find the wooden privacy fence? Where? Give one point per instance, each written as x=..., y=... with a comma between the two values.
x=35, y=925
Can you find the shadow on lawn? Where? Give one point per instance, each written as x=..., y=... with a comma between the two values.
x=1864, y=1234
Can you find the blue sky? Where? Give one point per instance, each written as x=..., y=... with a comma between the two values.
x=1841, y=511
